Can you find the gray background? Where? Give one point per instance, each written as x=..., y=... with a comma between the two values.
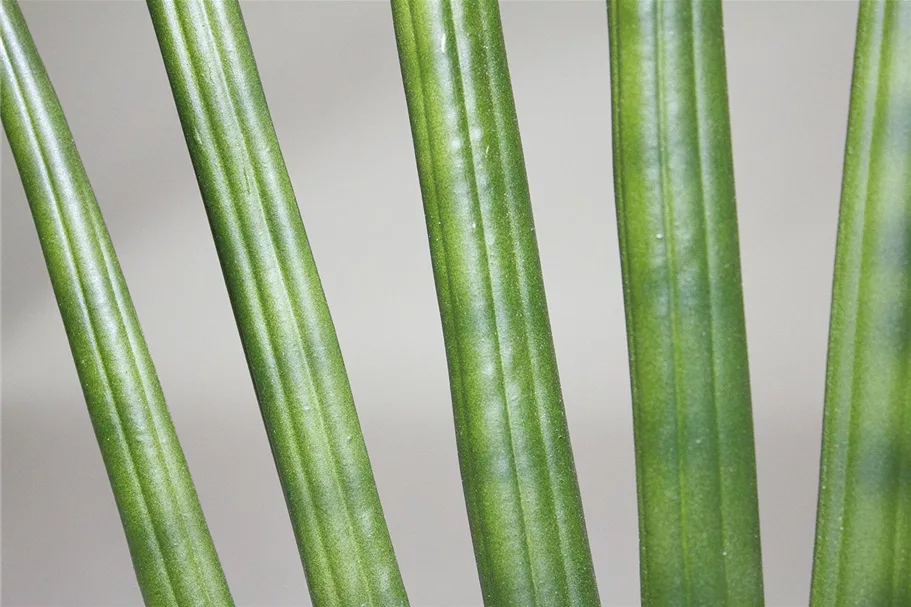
x=331, y=74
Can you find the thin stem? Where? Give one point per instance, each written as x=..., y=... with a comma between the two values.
x=281, y=311
x=172, y=551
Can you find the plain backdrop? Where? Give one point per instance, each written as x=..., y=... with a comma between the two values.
x=331, y=74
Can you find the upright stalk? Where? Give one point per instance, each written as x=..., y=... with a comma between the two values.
x=172, y=551
x=863, y=531
x=674, y=185
x=517, y=467
x=278, y=300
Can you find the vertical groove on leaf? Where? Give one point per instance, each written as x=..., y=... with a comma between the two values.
x=518, y=475
x=676, y=212
x=863, y=552
x=281, y=310
x=169, y=542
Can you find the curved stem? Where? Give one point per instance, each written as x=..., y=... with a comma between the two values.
x=863, y=528
x=281, y=311
x=169, y=541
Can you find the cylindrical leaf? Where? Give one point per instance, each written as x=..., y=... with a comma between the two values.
x=863, y=533
x=172, y=551
x=281, y=310
x=517, y=467
x=674, y=186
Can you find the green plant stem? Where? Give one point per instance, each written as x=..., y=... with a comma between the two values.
x=863, y=533
x=674, y=185
x=278, y=300
x=517, y=467
x=169, y=542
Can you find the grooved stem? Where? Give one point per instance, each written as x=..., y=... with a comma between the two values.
x=172, y=551
x=676, y=214
x=863, y=527
x=281, y=311
x=520, y=486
